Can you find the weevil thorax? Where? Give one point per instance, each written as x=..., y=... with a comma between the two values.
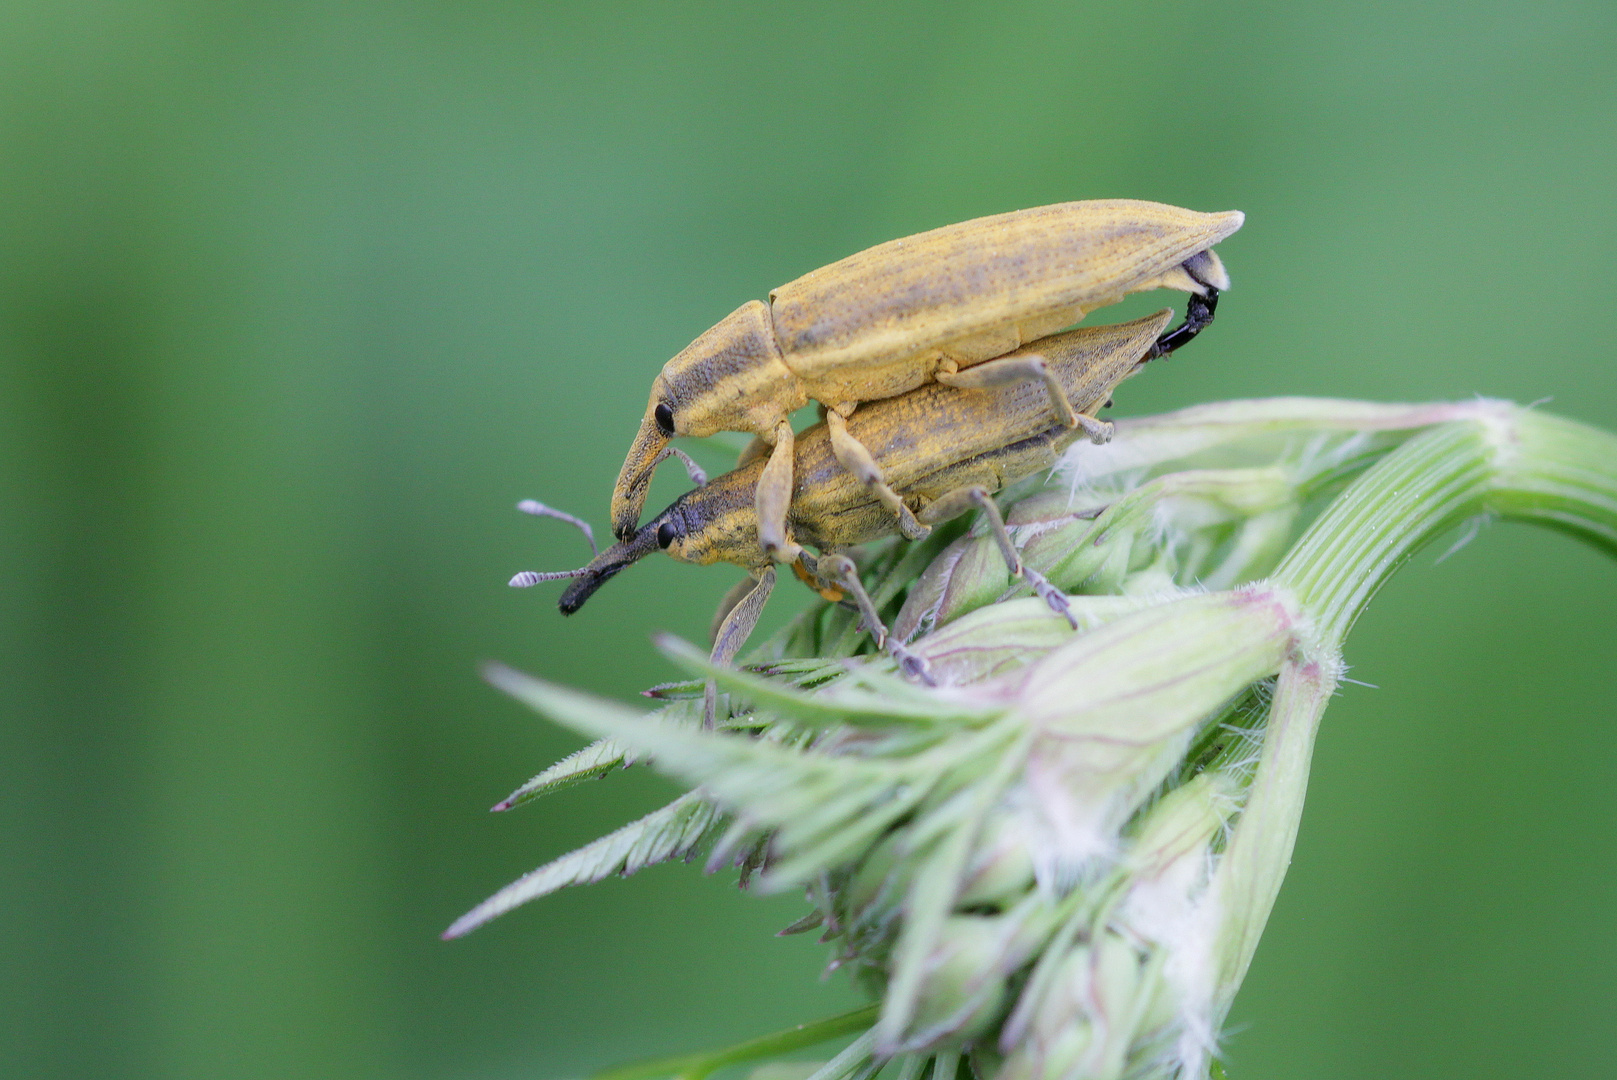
x=729, y=379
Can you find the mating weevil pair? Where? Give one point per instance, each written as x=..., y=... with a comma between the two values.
x=928, y=330
x=945, y=306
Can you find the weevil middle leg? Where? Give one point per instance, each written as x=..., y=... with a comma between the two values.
x=954, y=503
x=1027, y=367
x=840, y=570
x=857, y=459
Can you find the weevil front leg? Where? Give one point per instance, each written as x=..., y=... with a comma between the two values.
x=841, y=571
x=733, y=624
x=774, y=497
x=857, y=459
x=1026, y=367
x=954, y=503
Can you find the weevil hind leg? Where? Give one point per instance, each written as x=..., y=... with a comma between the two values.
x=856, y=458
x=733, y=623
x=954, y=503
x=1019, y=368
x=841, y=571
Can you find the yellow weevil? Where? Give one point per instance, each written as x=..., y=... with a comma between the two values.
x=943, y=306
x=943, y=450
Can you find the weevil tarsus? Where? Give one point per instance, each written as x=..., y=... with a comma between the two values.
x=841, y=571
x=959, y=501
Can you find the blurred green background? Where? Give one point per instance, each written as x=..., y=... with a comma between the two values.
x=298, y=299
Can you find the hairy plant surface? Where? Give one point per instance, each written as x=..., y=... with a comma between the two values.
x=1056, y=863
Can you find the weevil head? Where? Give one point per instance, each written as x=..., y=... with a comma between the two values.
x=717, y=522
x=729, y=379
x=634, y=479
x=607, y=565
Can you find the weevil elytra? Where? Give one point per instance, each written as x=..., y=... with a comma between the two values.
x=944, y=450
x=942, y=306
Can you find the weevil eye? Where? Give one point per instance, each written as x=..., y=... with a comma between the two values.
x=667, y=533
x=665, y=421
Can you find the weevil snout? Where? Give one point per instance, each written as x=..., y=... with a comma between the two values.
x=629, y=496
x=607, y=565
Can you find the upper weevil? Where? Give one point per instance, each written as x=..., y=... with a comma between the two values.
x=935, y=307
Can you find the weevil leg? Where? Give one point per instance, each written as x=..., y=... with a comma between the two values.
x=757, y=448
x=737, y=593
x=774, y=497
x=839, y=569
x=1008, y=370
x=732, y=627
x=954, y=503
x=857, y=460
x=1099, y=431
x=1198, y=316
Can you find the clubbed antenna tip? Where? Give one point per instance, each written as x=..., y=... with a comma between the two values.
x=528, y=578
x=539, y=509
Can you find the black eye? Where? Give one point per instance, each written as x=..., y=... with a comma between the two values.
x=665, y=421
x=667, y=533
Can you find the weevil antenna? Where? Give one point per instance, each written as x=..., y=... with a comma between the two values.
x=529, y=578
x=539, y=509
x=697, y=474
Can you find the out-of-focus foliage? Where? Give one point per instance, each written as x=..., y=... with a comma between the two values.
x=296, y=300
